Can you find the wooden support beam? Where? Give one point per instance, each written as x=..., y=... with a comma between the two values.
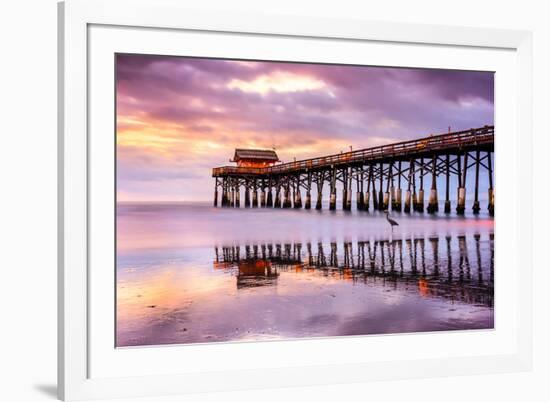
x=374, y=194
x=420, y=200
x=237, y=195
x=349, y=190
x=269, y=194
x=247, y=194
x=360, y=197
x=367, y=194
x=414, y=195
x=255, y=194
x=308, y=191
x=433, y=202
x=297, y=193
x=461, y=198
x=491, y=206
x=397, y=193
x=475, y=207
x=381, y=192
x=344, y=188
x=320, y=182
x=277, y=203
x=447, y=184
x=332, y=204
x=216, y=193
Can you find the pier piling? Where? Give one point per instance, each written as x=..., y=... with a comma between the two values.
x=491, y=193
x=397, y=196
x=277, y=203
x=287, y=203
x=461, y=196
x=475, y=207
x=332, y=205
x=420, y=201
x=447, y=183
x=381, y=193
x=308, y=192
x=269, y=196
x=247, y=195
x=433, y=206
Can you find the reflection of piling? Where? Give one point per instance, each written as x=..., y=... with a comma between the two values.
x=333, y=254
x=478, y=258
x=260, y=266
x=464, y=261
x=422, y=256
x=492, y=260
x=435, y=250
x=449, y=259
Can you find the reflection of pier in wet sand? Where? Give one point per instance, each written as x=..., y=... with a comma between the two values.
x=434, y=267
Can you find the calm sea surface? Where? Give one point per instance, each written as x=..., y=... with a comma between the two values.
x=189, y=273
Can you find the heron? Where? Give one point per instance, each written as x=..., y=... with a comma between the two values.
x=390, y=220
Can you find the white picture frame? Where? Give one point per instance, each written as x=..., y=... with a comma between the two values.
x=77, y=18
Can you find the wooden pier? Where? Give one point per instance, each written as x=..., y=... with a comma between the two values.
x=388, y=177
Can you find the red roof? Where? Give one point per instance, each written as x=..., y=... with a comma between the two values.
x=256, y=154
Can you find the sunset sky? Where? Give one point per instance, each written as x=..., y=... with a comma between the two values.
x=178, y=117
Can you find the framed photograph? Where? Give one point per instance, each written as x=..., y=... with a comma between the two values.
x=252, y=201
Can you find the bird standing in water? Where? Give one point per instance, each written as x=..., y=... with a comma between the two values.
x=390, y=220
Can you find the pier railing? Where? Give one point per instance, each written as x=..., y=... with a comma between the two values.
x=431, y=144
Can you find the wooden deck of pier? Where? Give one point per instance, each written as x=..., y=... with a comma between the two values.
x=388, y=166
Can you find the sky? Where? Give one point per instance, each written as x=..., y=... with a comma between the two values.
x=179, y=117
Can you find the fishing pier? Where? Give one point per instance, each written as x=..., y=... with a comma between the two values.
x=377, y=174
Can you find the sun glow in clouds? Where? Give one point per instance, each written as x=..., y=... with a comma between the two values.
x=277, y=82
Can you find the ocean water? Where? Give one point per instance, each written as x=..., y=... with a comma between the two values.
x=192, y=273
